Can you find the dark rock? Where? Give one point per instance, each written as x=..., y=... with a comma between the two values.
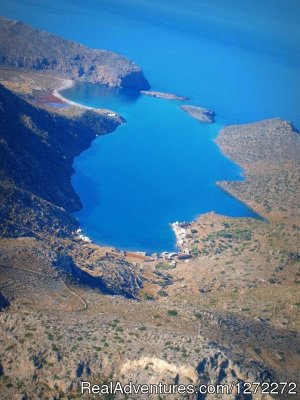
x=3, y=304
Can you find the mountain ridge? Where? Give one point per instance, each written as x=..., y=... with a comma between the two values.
x=25, y=47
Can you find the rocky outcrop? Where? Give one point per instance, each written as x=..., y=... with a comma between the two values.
x=3, y=304
x=39, y=265
x=217, y=369
x=199, y=113
x=25, y=47
x=164, y=95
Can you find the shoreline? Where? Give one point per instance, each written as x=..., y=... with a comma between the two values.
x=67, y=84
x=228, y=193
x=178, y=236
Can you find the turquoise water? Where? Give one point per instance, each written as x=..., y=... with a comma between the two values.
x=240, y=59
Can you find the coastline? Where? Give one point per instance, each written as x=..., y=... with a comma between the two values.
x=220, y=185
x=67, y=84
x=268, y=153
x=177, y=227
x=251, y=146
x=224, y=186
x=224, y=145
x=73, y=122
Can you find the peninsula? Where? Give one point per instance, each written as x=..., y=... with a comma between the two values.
x=25, y=47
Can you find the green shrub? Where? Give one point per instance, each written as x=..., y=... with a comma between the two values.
x=172, y=313
x=162, y=293
x=199, y=315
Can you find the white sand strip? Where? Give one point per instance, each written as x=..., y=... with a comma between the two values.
x=67, y=83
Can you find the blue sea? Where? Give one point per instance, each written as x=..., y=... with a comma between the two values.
x=239, y=58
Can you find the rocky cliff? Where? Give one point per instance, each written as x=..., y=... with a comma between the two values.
x=37, y=149
x=25, y=47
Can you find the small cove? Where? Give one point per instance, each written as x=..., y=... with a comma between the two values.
x=159, y=167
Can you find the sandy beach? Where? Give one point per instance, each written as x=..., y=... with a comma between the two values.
x=68, y=83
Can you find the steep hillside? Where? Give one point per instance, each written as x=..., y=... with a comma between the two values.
x=37, y=149
x=25, y=47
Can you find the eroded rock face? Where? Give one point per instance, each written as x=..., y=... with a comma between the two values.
x=25, y=47
x=46, y=267
x=217, y=369
x=214, y=370
x=154, y=370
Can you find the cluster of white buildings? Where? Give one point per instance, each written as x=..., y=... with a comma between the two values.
x=180, y=233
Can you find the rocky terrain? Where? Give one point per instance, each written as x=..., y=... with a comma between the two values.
x=25, y=47
x=163, y=95
x=199, y=113
x=72, y=311
x=269, y=152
